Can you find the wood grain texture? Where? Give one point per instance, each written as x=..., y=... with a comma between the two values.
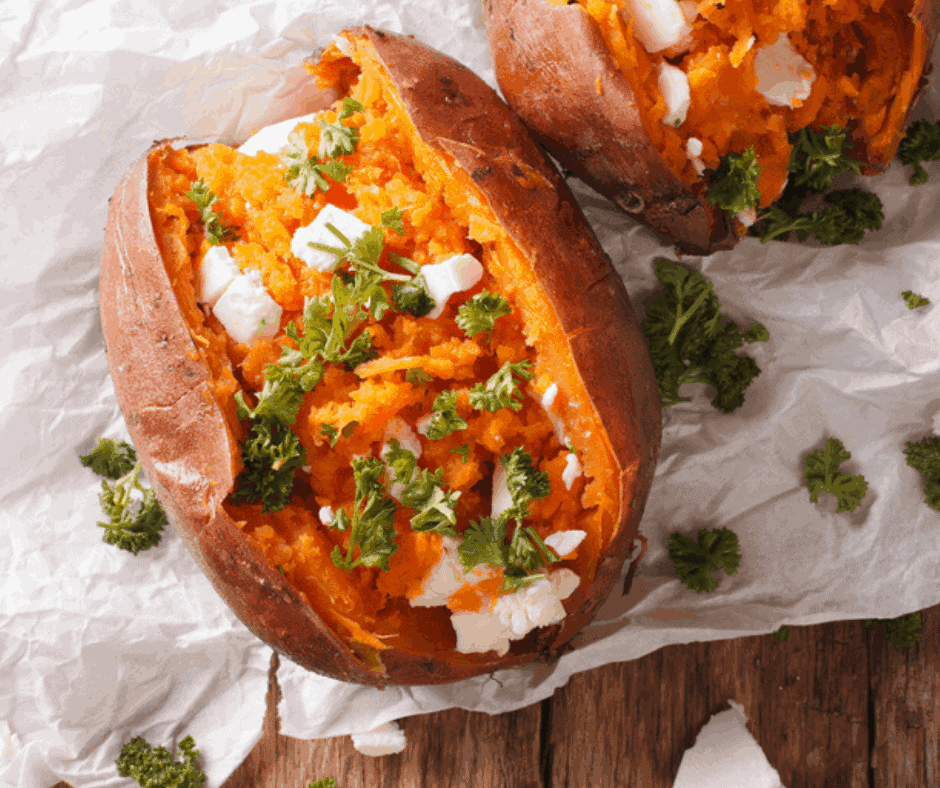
x=905, y=687
x=813, y=702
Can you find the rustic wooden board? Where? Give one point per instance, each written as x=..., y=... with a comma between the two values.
x=905, y=693
x=814, y=703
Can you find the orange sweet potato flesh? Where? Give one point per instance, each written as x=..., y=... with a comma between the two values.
x=175, y=374
x=588, y=91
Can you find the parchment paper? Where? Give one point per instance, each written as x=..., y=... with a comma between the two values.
x=98, y=646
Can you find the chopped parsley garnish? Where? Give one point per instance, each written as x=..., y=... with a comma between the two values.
x=424, y=492
x=696, y=560
x=902, y=631
x=157, y=768
x=413, y=297
x=502, y=388
x=332, y=434
x=392, y=220
x=922, y=143
x=817, y=157
x=271, y=455
x=781, y=634
x=924, y=456
x=480, y=312
x=372, y=525
x=733, y=186
x=204, y=200
x=336, y=138
x=306, y=175
x=689, y=343
x=822, y=475
x=484, y=542
x=462, y=451
x=849, y=215
x=913, y=300
x=444, y=416
x=135, y=523
x=418, y=377
x=323, y=782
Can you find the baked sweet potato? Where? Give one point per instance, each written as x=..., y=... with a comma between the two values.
x=643, y=99
x=324, y=468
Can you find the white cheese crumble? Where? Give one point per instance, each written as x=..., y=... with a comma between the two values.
x=326, y=515
x=674, y=87
x=422, y=424
x=747, y=217
x=216, y=272
x=398, y=429
x=453, y=275
x=538, y=604
x=548, y=398
x=693, y=149
x=386, y=739
x=444, y=579
x=784, y=78
x=317, y=232
x=272, y=138
x=658, y=24
x=572, y=469
x=565, y=542
x=246, y=311
x=936, y=424
x=501, y=499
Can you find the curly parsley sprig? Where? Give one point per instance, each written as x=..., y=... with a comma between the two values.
x=372, y=525
x=690, y=343
x=822, y=474
x=158, y=768
x=696, y=560
x=204, y=199
x=135, y=521
x=922, y=143
x=924, y=456
x=501, y=390
x=424, y=491
x=480, y=313
x=307, y=175
x=902, y=631
x=733, y=186
x=444, y=416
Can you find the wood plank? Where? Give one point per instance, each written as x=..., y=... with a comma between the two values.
x=905, y=686
x=806, y=701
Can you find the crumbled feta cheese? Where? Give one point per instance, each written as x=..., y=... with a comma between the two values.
x=444, y=579
x=386, y=739
x=501, y=499
x=398, y=429
x=453, y=275
x=343, y=45
x=537, y=604
x=693, y=147
x=572, y=469
x=326, y=515
x=658, y=24
x=674, y=87
x=317, y=232
x=565, y=542
x=272, y=138
x=216, y=272
x=748, y=216
x=936, y=424
x=784, y=78
x=422, y=424
x=246, y=311
x=548, y=398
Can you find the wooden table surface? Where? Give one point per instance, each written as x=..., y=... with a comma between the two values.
x=834, y=705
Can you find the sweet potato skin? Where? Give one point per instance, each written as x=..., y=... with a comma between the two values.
x=188, y=454
x=555, y=71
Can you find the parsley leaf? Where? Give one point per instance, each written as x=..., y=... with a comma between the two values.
x=330, y=433
x=337, y=139
x=413, y=297
x=781, y=634
x=695, y=561
x=817, y=157
x=924, y=456
x=372, y=526
x=922, y=143
x=306, y=175
x=902, y=631
x=271, y=454
x=157, y=768
x=444, y=416
x=733, y=186
x=392, y=220
x=134, y=524
x=484, y=542
x=462, y=451
x=110, y=458
x=524, y=482
x=822, y=475
x=324, y=782
x=480, y=312
x=850, y=213
x=501, y=390
x=913, y=300
x=203, y=198
x=436, y=507
x=418, y=377
x=689, y=343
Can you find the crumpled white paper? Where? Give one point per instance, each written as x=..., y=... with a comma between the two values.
x=98, y=646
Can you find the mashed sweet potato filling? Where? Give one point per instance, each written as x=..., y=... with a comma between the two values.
x=866, y=55
x=444, y=214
